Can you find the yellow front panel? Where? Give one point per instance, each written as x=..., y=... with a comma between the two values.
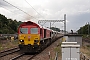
x=29, y=38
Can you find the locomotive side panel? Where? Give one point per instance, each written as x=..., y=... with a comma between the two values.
x=48, y=33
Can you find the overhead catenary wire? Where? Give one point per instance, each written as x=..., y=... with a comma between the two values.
x=22, y=10
x=6, y=8
x=33, y=8
x=19, y=9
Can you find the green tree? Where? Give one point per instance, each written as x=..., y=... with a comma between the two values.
x=55, y=29
x=8, y=25
x=84, y=29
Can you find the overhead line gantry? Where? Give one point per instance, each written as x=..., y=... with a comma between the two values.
x=44, y=21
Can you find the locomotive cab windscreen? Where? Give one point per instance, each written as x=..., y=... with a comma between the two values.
x=24, y=30
x=34, y=30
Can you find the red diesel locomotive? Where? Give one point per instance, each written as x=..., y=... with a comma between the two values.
x=33, y=38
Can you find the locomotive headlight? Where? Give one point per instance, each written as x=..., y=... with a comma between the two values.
x=21, y=40
x=36, y=41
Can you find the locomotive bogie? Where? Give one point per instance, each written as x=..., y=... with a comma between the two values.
x=29, y=48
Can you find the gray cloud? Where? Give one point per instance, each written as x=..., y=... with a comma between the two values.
x=77, y=11
x=77, y=21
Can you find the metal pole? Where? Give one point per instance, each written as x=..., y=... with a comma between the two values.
x=88, y=28
x=50, y=25
x=64, y=23
x=56, y=57
x=49, y=55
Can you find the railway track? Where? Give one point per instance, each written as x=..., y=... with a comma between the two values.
x=9, y=51
x=23, y=56
x=14, y=54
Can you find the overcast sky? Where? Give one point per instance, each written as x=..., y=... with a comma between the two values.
x=77, y=11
